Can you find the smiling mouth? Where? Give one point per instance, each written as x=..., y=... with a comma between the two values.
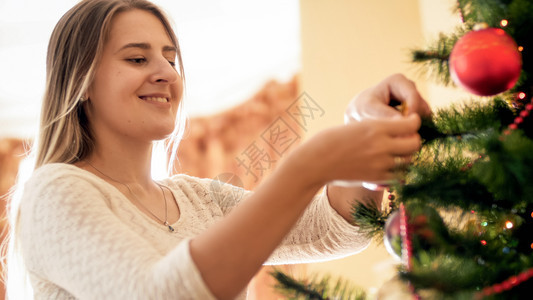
x=155, y=99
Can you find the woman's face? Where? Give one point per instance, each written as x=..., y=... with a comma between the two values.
x=136, y=89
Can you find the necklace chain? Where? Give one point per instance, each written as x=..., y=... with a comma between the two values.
x=164, y=222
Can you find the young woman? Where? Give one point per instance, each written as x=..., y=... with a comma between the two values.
x=92, y=224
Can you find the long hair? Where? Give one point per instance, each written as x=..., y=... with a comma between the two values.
x=64, y=136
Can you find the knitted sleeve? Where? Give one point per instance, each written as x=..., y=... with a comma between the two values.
x=70, y=238
x=320, y=234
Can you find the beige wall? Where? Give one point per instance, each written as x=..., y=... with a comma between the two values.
x=348, y=46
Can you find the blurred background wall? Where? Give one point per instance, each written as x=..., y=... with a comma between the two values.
x=252, y=69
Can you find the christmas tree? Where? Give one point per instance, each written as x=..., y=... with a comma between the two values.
x=461, y=217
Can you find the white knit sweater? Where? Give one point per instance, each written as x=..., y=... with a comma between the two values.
x=83, y=239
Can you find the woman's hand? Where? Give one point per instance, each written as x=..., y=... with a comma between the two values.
x=375, y=102
x=363, y=151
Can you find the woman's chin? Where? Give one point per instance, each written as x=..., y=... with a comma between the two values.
x=159, y=133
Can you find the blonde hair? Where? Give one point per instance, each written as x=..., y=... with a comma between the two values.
x=64, y=136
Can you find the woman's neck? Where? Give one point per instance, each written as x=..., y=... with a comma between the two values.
x=126, y=165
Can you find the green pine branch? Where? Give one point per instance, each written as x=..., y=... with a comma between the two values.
x=316, y=289
x=451, y=261
x=433, y=60
x=507, y=170
x=473, y=117
x=370, y=219
x=487, y=11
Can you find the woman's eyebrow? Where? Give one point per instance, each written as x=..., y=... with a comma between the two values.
x=146, y=46
x=170, y=49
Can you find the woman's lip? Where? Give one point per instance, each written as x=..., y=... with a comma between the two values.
x=163, y=95
x=159, y=99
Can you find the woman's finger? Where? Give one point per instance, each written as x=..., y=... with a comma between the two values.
x=402, y=126
x=402, y=89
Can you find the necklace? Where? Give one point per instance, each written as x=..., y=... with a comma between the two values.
x=164, y=222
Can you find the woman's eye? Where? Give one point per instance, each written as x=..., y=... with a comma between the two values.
x=172, y=63
x=138, y=60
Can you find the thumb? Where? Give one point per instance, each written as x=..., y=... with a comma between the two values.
x=372, y=112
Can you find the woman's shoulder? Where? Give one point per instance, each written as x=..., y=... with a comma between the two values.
x=64, y=184
x=54, y=170
x=61, y=174
x=183, y=181
x=182, y=177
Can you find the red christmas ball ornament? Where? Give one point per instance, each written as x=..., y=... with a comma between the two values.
x=485, y=62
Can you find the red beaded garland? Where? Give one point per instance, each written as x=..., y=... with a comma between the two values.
x=522, y=277
x=530, y=273
x=508, y=284
x=407, y=246
x=487, y=291
x=520, y=119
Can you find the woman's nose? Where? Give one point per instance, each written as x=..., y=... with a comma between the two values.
x=164, y=72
